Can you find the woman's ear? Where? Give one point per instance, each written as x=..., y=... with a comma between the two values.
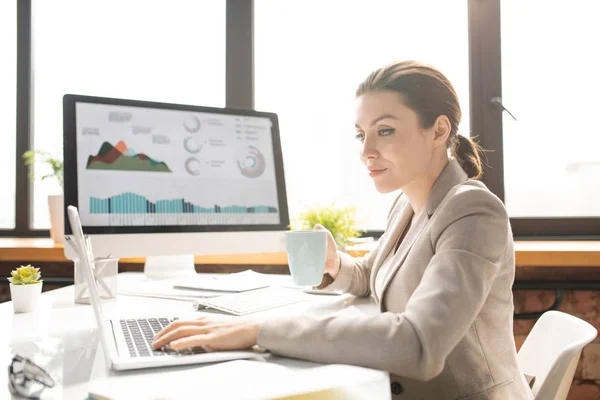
x=441, y=130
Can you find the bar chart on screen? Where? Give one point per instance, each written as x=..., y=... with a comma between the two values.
x=133, y=209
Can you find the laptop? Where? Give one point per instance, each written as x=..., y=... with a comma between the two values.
x=127, y=342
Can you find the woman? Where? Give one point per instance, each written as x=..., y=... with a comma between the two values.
x=442, y=272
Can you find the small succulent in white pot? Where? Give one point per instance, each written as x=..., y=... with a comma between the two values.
x=25, y=288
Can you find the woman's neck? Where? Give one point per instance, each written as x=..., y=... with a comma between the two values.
x=418, y=190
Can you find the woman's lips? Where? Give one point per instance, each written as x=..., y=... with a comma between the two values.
x=375, y=172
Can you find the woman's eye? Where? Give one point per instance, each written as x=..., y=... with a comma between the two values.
x=386, y=132
x=359, y=136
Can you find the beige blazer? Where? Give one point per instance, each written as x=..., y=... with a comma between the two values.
x=445, y=330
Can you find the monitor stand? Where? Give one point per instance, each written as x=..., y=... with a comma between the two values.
x=163, y=267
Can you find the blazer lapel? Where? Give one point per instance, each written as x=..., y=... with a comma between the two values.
x=452, y=175
x=413, y=233
x=396, y=227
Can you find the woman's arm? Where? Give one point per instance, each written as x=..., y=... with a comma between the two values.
x=472, y=235
x=354, y=273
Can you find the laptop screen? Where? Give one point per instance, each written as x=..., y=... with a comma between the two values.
x=85, y=260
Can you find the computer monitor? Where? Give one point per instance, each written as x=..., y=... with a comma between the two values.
x=168, y=181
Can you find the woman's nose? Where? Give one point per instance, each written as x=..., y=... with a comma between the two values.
x=369, y=149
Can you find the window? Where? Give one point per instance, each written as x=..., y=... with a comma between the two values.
x=163, y=51
x=307, y=72
x=8, y=116
x=550, y=83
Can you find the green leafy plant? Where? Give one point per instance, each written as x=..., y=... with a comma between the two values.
x=56, y=165
x=25, y=275
x=340, y=221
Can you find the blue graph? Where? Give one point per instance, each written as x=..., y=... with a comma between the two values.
x=131, y=203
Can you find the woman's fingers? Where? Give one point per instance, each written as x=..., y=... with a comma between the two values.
x=190, y=341
x=179, y=323
x=178, y=333
x=209, y=333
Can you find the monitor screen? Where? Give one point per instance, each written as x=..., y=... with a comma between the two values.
x=136, y=167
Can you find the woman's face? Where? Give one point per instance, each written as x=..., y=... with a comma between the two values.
x=395, y=148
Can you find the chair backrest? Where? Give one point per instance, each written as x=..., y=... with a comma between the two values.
x=551, y=352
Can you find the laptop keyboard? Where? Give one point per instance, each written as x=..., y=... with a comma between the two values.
x=139, y=335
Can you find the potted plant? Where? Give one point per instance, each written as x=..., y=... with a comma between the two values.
x=55, y=202
x=340, y=221
x=25, y=288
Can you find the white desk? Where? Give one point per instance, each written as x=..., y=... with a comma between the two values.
x=59, y=317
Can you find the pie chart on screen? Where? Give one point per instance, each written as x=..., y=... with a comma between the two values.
x=191, y=145
x=251, y=162
x=193, y=166
x=192, y=124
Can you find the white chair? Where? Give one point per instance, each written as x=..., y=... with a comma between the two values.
x=551, y=352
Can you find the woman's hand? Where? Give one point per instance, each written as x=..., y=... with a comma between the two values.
x=332, y=262
x=214, y=334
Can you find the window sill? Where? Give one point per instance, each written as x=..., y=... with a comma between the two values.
x=528, y=253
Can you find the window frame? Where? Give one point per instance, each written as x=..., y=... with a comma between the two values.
x=24, y=188
x=485, y=77
x=486, y=122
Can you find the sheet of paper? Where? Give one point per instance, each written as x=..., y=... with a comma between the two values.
x=164, y=289
x=236, y=282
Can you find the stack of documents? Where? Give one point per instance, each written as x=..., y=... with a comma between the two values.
x=206, y=286
x=237, y=282
x=165, y=290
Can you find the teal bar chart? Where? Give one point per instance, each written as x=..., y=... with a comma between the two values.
x=132, y=203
